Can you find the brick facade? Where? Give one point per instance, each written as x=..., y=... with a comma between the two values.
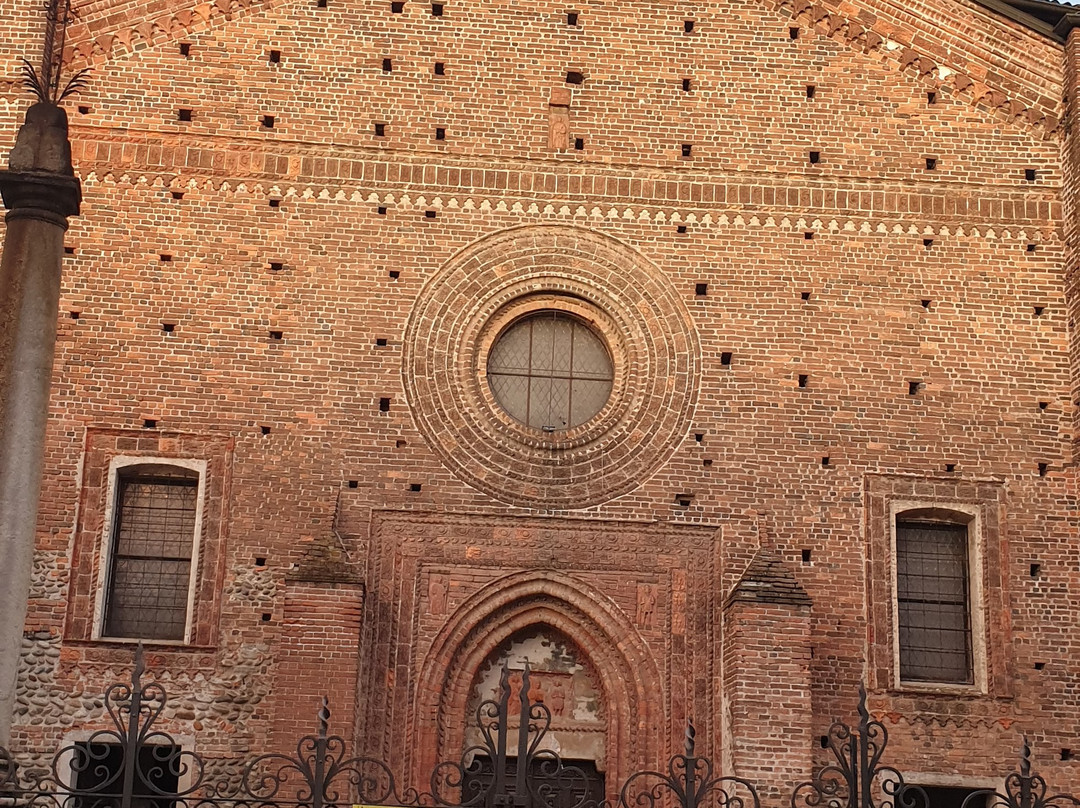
x=836, y=273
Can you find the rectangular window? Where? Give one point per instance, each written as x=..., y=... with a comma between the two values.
x=934, y=603
x=98, y=774
x=150, y=555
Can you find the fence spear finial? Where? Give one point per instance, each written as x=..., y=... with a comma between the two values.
x=1025, y=758
x=690, y=733
x=324, y=717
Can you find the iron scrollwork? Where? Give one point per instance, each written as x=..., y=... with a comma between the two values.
x=1022, y=790
x=525, y=775
x=690, y=782
x=858, y=779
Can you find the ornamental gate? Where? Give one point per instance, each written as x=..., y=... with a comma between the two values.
x=136, y=765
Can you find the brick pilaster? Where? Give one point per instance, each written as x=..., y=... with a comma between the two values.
x=767, y=703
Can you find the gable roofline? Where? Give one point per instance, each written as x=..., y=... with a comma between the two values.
x=1046, y=17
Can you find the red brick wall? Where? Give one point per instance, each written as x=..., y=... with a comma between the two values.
x=845, y=308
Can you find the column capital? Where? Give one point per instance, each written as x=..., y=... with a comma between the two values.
x=41, y=195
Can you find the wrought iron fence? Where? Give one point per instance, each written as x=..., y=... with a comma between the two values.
x=134, y=764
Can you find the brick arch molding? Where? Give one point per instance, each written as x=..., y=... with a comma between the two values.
x=628, y=673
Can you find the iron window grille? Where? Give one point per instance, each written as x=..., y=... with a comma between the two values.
x=550, y=371
x=933, y=603
x=150, y=556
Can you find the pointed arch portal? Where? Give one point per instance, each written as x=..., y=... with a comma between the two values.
x=592, y=663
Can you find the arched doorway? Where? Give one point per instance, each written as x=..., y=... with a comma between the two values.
x=573, y=726
x=520, y=612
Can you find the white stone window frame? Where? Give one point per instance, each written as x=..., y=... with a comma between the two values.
x=939, y=512
x=116, y=466
x=937, y=779
x=66, y=753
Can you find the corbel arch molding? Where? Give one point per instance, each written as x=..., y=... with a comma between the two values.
x=628, y=673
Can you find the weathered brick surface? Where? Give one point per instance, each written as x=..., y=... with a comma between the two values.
x=911, y=276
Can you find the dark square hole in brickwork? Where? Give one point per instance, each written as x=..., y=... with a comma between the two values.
x=707, y=462
x=688, y=26
x=437, y=9
x=430, y=214
x=440, y=133
x=381, y=211
x=809, y=234
x=928, y=243
x=1066, y=754
x=815, y=157
x=394, y=274
x=811, y=90
x=687, y=148
x=277, y=336
x=684, y=500
x=177, y=195
x=793, y=33
x=354, y=483
x=415, y=487
x=440, y=68
x=397, y=8
x=84, y=109
x=1031, y=248
x=950, y=467
x=825, y=461
x=74, y=315
x=165, y=257
x=168, y=328
x=1034, y=570
x=805, y=556
x=1030, y=174
x=931, y=163
x=571, y=18
x=388, y=65
x=260, y=561
x=575, y=77
x=1040, y=665
x=680, y=228
x=384, y=405
x=579, y=143
x=380, y=130
x=931, y=97
x=725, y=358
x=1039, y=310
x=185, y=49
x=275, y=203
x=320, y=3
x=701, y=289
x=274, y=57
x=400, y=443
x=265, y=430
x=913, y=388
x=276, y=266
x=823, y=741
x=266, y=617
x=183, y=114
x=267, y=121
x=686, y=85
x=805, y=295
x=381, y=342
x=69, y=250
x=149, y=423
x=699, y=437
x=804, y=380
x=1043, y=405
x=1043, y=468
x=925, y=303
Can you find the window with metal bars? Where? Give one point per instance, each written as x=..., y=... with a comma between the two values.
x=151, y=553
x=934, y=604
x=550, y=371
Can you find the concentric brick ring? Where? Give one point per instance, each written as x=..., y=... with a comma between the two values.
x=624, y=298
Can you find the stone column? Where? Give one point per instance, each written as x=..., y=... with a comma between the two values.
x=40, y=191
